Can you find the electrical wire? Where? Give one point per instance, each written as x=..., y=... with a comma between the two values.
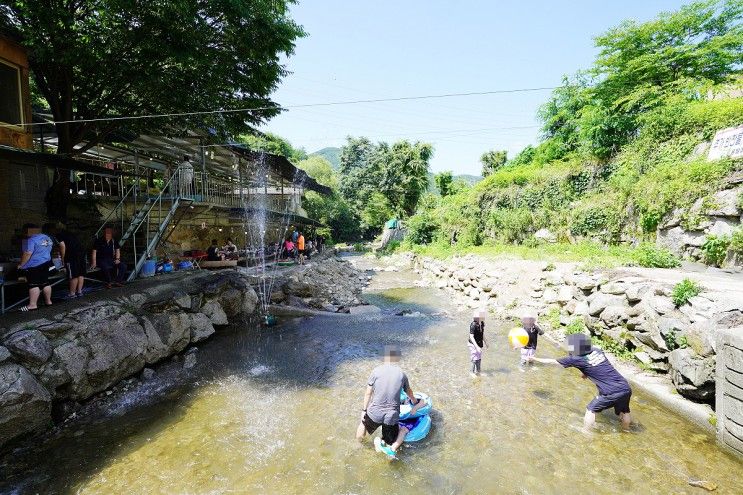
x=288, y=107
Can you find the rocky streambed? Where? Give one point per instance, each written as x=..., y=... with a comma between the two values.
x=55, y=360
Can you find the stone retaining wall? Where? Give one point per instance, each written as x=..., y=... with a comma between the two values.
x=729, y=401
x=78, y=351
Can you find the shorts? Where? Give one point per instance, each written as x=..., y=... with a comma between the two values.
x=75, y=264
x=475, y=355
x=620, y=402
x=38, y=276
x=389, y=432
x=527, y=352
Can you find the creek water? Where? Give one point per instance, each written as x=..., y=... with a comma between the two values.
x=275, y=411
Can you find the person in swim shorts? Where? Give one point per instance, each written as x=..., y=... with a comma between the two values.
x=382, y=403
x=614, y=390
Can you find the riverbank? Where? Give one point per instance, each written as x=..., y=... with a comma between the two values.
x=667, y=350
x=54, y=360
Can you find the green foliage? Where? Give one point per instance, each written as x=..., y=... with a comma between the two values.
x=271, y=143
x=576, y=326
x=651, y=256
x=736, y=241
x=714, y=249
x=332, y=155
x=492, y=161
x=444, y=183
x=685, y=290
x=675, y=342
x=618, y=349
x=319, y=169
x=381, y=181
x=553, y=318
x=94, y=59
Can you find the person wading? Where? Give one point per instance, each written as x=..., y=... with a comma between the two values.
x=382, y=403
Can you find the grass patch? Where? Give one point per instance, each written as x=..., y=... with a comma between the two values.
x=685, y=290
x=651, y=256
x=590, y=253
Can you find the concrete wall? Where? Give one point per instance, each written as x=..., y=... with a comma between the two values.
x=729, y=396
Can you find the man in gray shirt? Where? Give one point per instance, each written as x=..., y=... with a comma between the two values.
x=382, y=402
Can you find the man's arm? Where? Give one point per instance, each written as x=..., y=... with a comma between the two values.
x=92, y=259
x=544, y=360
x=368, y=396
x=117, y=255
x=62, y=249
x=24, y=258
x=539, y=329
x=472, y=339
x=410, y=394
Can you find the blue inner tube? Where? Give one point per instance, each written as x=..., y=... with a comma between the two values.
x=418, y=427
x=405, y=408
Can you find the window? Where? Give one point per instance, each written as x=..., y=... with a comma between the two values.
x=10, y=94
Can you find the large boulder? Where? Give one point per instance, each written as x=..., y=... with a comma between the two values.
x=249, y=301
x=4, y=354
x=30, y=346
x=231, y=301
x=216, y=314
x=692, y=375
x=201, y=327
x=166, y=333
x=599, y=301
x=614, y=316
x=726, y=203
x=25, y=406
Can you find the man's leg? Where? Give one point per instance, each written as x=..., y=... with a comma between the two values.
x=73, y=285
x=47, y=291
x=361, y=432
x=477, y=366
x=589, y=420
x=400, y=438
x=33, y=297
x=80, y=284
x=626, y=419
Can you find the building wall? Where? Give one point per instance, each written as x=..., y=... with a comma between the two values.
x=14, y=54
x=22, y=191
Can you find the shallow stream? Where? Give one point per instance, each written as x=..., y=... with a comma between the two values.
x=275, y=411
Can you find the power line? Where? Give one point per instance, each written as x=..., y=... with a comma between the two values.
x=287, y=107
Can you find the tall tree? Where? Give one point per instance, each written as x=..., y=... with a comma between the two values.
x=492, y=161
x=444, y=182
x=97, y=59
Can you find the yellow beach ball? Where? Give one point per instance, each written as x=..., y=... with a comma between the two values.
x=518, y=337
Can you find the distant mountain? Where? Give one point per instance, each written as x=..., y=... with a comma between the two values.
x=333, y=155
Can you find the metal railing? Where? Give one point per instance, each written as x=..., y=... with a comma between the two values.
x=97, y=184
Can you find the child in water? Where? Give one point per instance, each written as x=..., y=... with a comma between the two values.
x=476, y=341
x=529, y=323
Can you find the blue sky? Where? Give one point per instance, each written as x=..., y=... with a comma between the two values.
x=386, y=49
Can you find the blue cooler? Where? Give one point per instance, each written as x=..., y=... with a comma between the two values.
x=167, y=267
x=148, y=269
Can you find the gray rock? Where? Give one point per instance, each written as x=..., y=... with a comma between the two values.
x=25, y=406
x=636, y=292
x=30, y=346
x=659, y=304
x=165, y=333
x=182, y=300
x=722, y=226
x=581, y=309
x=249, y=301
x=652, y=339
x=693, y=375
x=147, y=374
x=730, y=319
x=231, y=301
x=726, y=203
x=189, y=360
x=565, y=295
x=4, y=354
x=201, y=327
x=545, y=235
x=616, y=287
x=216, y=314
x=614, y=316
x=643, y=357
x=298, y=288
x=671, y=326
x=599, y=301
x=676, y=239
x=550, y=296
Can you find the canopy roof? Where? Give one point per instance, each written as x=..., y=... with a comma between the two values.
x=160, y=152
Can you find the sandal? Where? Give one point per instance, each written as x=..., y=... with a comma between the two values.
x=26, y=309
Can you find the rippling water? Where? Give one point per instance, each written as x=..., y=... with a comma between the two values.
x=275, y=412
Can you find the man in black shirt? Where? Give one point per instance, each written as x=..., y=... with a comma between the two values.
x=212, y=253
x=107, y=255
x=476, y=341
x=73, y=256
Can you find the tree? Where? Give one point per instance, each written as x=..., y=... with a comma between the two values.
x=98, y=59
x=271, y=143
x=492, y=161
x=405, y=174
x=444, y=182
x=319, y=169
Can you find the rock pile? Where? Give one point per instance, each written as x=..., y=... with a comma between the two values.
x=333, y=285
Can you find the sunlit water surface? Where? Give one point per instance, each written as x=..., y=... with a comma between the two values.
x=275, y=411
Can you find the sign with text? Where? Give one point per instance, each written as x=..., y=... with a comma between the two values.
x=727, y=143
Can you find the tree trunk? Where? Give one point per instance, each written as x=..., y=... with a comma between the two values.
x=58, y=195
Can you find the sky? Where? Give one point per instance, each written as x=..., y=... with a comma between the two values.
x=360, y=50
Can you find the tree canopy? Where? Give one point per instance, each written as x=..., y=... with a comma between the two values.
x=95, y=59
x=492, y=161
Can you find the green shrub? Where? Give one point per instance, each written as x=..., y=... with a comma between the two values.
x=576, y=326
x=736, y=241
x=715, y=248
x=685, y=290
x=616, y=348
x=672, y=342
x=651, y=256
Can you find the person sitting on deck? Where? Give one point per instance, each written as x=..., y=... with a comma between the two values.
x=212, y=253
x=107, y=255
x=230, y=249
x=36, y=260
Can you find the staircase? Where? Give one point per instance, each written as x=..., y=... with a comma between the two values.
x=150, y=222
